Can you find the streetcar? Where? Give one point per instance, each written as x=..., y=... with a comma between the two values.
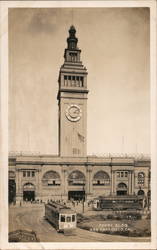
x=118, y=203
x=63, y=218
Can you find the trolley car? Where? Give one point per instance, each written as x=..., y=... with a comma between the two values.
x=62, y=217
x=118, y=203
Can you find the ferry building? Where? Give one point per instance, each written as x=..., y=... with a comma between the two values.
x=72, y=174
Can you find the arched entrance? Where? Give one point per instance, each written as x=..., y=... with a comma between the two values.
x=122, y=189
x=29, y=192
x=76, y=182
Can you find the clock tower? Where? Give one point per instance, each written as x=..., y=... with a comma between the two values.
x=72, y=101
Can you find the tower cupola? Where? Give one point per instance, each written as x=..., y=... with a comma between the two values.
x=72, y=52
x=72, y=40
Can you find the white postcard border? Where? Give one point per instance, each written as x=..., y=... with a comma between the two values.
x=4, y=5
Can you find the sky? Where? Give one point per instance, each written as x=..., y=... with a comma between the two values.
x=115, y=51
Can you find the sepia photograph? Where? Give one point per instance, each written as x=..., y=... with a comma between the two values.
x=77, y=76
x=79, y=127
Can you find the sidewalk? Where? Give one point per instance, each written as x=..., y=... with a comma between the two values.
x=26, y=204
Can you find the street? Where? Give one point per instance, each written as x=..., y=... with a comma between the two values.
x=31, y=217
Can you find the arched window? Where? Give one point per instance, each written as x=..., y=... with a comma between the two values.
x=28, y=186
x=101, y=178
x=122, y=189
x=140, y=192
x=51, y=178
x=122, y=186
x=141, y=178
x=76, y=178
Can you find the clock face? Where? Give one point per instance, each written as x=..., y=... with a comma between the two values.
x=73, y=113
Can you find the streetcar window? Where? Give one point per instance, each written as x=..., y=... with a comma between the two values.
x=62, y=218
x=68, y=219
x=73, y=217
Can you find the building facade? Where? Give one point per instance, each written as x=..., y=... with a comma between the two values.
x=72, y=174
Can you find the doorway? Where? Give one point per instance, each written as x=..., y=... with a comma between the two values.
x=28, y=195
x=122, y=189
x=12, y=191
x=121, y=192
x=29, y=192
x=76, y=195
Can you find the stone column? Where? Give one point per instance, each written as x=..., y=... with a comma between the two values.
x=64, y=182
x=90, y=182
x=17, y=181
x=78, y=56
x=129, y=184
x=19, y=188
x=89, y=186
x=147, y=180
x=133, y=182
x=113, y=182
x=38, y=181
x=79, y=82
